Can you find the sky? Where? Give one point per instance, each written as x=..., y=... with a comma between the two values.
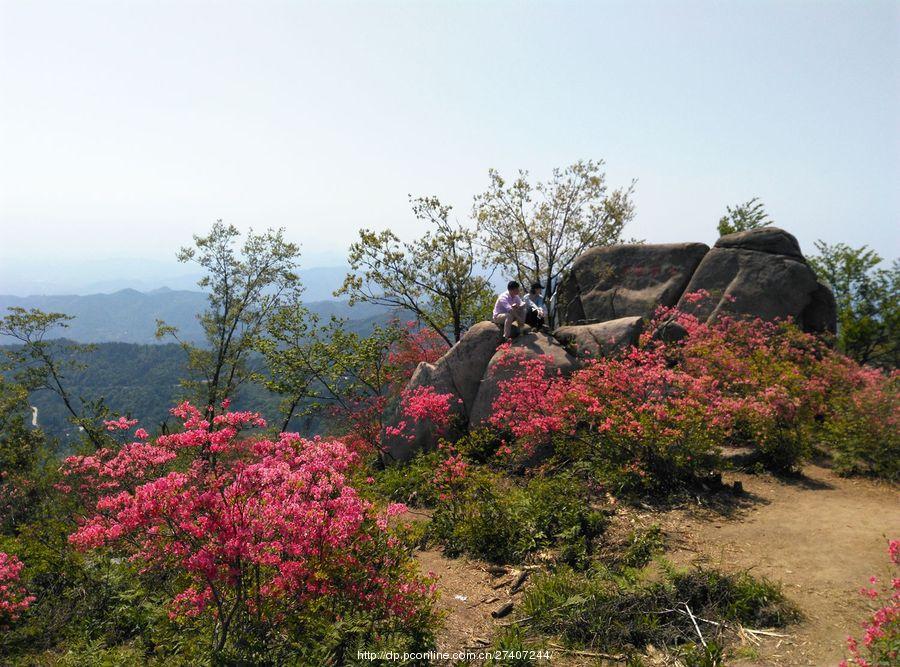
x=127, y=126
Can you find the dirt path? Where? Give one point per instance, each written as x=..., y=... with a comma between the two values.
x=467, y=599
x=822, y=537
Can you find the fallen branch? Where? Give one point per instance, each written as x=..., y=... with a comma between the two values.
x=589, y=654
x=736, y=626
x=696, y=627
x=766, y=633
x=518, y=582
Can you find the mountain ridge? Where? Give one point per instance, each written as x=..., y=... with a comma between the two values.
x=129, y=315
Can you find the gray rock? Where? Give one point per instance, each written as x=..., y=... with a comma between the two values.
x=753, y=283
x=626, y=280
x=601, y=339
x=670, y=332
x=530, y=345
x=772, y=240
x=821, y=313
x=459, y=373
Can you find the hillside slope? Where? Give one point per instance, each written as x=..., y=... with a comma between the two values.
x=129, y=316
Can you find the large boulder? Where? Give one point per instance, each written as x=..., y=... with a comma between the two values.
x=626, y=280
x=531, y=345
x=760, y=273
x=772, y=240
x=601, y=339
x=458, y=373
x=821, y=313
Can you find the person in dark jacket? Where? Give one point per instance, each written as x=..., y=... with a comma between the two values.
x=535, y=308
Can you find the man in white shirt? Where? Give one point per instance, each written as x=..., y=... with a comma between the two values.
x=509, y=309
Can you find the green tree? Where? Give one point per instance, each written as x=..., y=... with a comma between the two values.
x=868, y=301
x=40, y=363
x=749, y=215
x=22, y=450
x=436, y=277
x=296, y=354
x=247, y=283
x=535, y=231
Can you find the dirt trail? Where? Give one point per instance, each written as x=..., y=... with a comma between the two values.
x=822, y=537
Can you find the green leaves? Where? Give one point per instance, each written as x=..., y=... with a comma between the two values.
x=868, y=301
x=247, y=284
x=749, y=215
x=436, y=276
x=535, y=231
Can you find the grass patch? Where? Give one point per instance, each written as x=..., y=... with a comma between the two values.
x=503, y=520
x=633, y=609
x=411, y=482
x=641, y=547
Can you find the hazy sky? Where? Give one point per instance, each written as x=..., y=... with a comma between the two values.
x=126, y=126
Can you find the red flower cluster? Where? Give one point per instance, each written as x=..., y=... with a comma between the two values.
x=449, y=476
x=263, y=528
x=414, y=346
x=666, y=408
x=14, y=599
x=881, y=638
x=423, y=405
x=522, y=403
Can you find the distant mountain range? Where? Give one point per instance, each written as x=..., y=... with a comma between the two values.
x=129, y=316
x=20, y=275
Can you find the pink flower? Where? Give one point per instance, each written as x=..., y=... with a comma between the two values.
x=14, y=599
x=120, y=424
x=279, y=513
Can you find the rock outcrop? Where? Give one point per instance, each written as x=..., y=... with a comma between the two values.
x=760, y=273
x=601, y=339
x=626, y=280
x=611, y=292
x=527, y=346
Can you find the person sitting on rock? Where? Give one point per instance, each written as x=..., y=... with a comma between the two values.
x=509, y=309
x=535, y=311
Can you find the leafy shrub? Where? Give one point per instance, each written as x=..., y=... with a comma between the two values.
x=608, y=610
x=642, y=546
x=492, y=517
x=479, y=445
x=863, y=427
x=411, y=483
x=255, y=534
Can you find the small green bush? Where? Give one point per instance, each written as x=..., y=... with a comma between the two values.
x=512, y=648
x=495, y=518
x=642, y=546
x=479, y=445
x=411, y=483
x=617, y=611
x=863, y=430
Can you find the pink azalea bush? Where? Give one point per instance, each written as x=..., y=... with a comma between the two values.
x=14, y=599
x=414, y=346
x=881, y=632
x=423, y=405
x=789, y=392
x=361, y=411
x=251, y=531
x=647, y=421
x=863, y=428
x=661, y=412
